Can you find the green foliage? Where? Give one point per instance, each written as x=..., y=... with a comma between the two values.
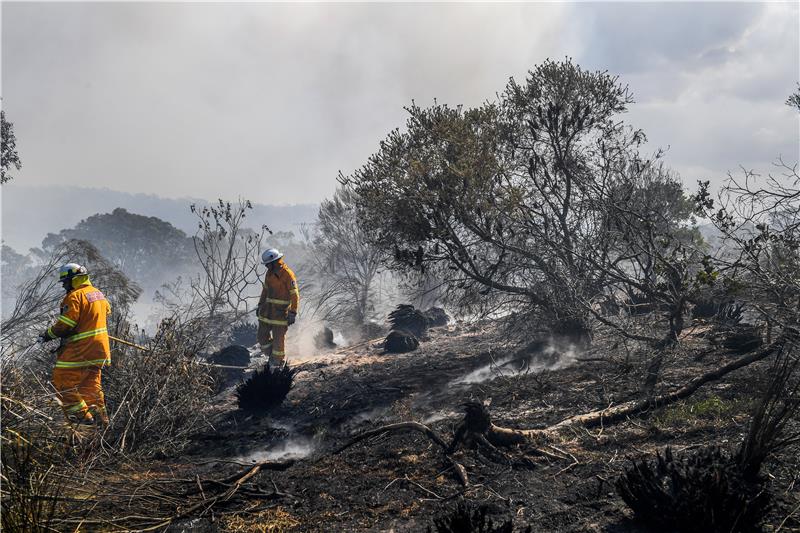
x=710, y=409
x=794, y=99
x=147, y=249
x=540, y=200
x=10, y=157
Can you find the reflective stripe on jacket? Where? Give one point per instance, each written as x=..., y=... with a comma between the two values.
x=82, y=324
x=279, y=295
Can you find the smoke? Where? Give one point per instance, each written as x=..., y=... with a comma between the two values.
x=292, y=448
x=440, y=415
x=552, y=357
x=370, y=415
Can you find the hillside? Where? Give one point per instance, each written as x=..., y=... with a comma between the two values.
x=400, y=480
x=58, y=208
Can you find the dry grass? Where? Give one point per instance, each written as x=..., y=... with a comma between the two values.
x=273, y=520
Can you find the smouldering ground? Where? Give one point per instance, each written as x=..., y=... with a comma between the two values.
x=399, y=481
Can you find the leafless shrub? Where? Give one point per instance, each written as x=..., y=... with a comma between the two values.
x=30, y=488
x=157, y=398
x=33, y=445
x=347, y=267
x=221, y=296
x=229, y=256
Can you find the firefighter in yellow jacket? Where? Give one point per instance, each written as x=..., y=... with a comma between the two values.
x=84, y=347
x=277, y=307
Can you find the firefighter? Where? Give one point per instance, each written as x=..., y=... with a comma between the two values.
x=84, y=349
x=277, y=307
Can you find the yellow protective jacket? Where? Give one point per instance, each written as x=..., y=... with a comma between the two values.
x=279, y=296
x=82, y=325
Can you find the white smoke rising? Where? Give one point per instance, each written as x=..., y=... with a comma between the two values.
x=370, y=415
x=552, y=357
x=439, y=415
x=292, y=448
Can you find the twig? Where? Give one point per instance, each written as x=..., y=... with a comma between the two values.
x=423, y=488
x=783, y=522
x=416, y=426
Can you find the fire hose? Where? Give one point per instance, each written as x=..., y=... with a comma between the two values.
x=128, y=343
x=142, y=348
x=138, y=347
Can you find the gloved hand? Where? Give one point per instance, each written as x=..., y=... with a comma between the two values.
x=291, y=317
x=43, y=337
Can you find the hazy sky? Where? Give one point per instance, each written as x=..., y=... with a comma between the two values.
x=270, y=101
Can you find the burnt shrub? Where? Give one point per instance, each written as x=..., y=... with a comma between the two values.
x=409, y=319
x=372, y=330
x=572, y=330
x=740, y=339
x=265, y=389
x=721, y=311
x=31, y=484
x=157, y=398
x=697, y=492
x=324, y=339
x=466, y=518
x=706, y=308
x=436, y=317
x=400, y=342
x=730, y=314
x=243, y=334
x=231, y=356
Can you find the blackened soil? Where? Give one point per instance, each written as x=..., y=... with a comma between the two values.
x=399, y=481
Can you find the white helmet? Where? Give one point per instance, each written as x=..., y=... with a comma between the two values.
x=70, y=270
x=270, y=256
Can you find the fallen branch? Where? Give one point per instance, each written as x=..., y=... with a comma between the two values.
x=416, y=426
x=477, y=418
x=622, y=411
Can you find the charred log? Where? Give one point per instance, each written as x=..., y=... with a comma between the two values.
x=478, y=432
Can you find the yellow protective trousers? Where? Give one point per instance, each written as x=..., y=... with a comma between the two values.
x=81, y=393
x=272, y=339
